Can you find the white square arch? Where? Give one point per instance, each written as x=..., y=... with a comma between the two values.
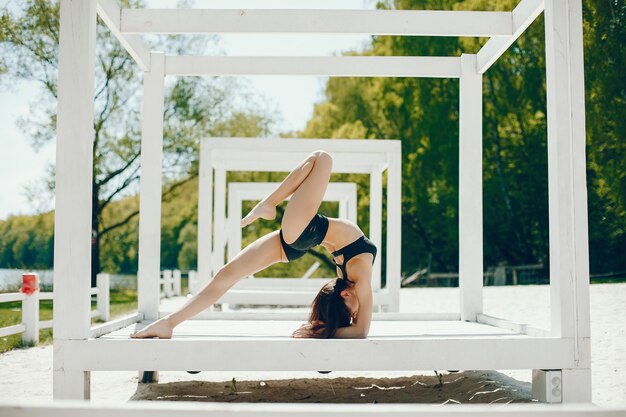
x=275, y=291
x=220, y=155
x=565, y=347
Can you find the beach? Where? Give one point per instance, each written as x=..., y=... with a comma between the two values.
x=26, y=374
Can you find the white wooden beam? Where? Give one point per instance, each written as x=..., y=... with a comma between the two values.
x=372, y=22
x=245, y=159
x=567, y=190
x=194, y=409
x=376, y=222
x=567, y=187
x=470, y=190
x=219, y=218
x=302, y=145
x=205, y=215
x=393, y=248
x=149, y=255
x=74, y=173
x=74, y=167
x=335, y=66
x=225, y=353
x=290, y=315
x=110, y=13
x=523, y=15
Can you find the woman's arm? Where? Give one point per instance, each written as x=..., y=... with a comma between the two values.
x=361, y=274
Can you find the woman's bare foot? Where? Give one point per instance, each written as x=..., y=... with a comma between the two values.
x=160, y=328
x=263, y=210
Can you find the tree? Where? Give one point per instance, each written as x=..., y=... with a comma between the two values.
x=423, y=113
x=193, y=108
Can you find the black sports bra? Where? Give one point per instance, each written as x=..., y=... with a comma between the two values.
x=359, y=246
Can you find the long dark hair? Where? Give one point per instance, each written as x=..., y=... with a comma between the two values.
x=328, y=310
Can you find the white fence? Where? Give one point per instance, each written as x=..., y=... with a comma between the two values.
x=30, y=326
x=171, y=282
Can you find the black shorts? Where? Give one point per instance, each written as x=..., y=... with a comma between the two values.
x=311, y=236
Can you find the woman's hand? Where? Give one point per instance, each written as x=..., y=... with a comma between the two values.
x=309, y=330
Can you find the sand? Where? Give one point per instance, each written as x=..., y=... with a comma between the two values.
x=26, y=374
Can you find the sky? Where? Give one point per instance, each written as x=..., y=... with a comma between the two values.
x=292, y=96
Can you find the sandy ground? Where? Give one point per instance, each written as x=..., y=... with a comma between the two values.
x=26, y=374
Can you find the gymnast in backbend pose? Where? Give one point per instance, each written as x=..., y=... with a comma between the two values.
x=343, y=307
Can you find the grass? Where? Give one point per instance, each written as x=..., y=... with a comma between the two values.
x=122, y=301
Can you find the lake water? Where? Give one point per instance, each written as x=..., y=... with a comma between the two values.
x=11, y=280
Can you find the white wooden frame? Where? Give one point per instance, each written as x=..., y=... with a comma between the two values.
x=272, y=290
x=220, y=155
x=567, y=346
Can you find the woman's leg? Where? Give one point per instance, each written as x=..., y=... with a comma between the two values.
x=317, y=162
x=260, y=254
x=306, y=199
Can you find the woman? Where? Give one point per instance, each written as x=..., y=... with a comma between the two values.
x=343, y=307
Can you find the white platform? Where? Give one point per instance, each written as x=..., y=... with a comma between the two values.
x=399, y=344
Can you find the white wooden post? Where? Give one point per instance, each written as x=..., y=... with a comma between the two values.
x=176, y=277
x=342, y=211
x=376, y=221
x=30, y=308
x=148, y=273
x=167, y=283
x=205, y=217
x=103, y=297
x=567, y=190
x=220, y=213
x=74, y=171
x=470, y=190
x=394, y=226
x=234, y=229
x=192, y=282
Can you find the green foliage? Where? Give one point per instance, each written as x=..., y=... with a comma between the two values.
x=194, y=108
x=422, y=113
x=27, y=241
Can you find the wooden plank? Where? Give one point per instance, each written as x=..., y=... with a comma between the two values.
x=342, y=164
x=303, y=145
x=569, y=263
x=114, y=325
x=149, y=259
x=195, y=409
x=470, y=190
x=394, y=227
x=110, y=13
x=376, y=222
x=372, y=22
x=287, y=354
x=567, y=191
x=326, y=66
x=9, y=330
x=274, y=315
x=74, y=170
x=46, y=324
x=516, y=327
x=11, y=297
x=219, y=221
x=282, y=329
x=205, y=215
x=523, y=15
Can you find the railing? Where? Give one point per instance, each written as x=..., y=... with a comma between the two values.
x=30, y=296
x=170, y=280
